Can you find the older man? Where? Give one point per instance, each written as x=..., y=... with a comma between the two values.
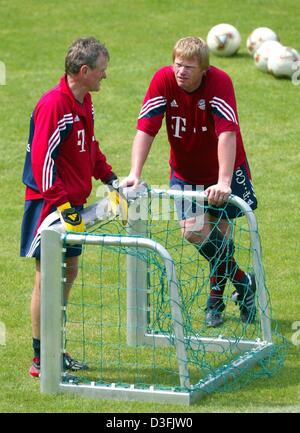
x=62, y=157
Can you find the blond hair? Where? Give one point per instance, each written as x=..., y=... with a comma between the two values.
x=192, y=48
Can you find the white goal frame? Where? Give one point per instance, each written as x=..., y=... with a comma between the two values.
x=52, y=310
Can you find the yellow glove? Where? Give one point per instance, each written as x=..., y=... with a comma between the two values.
x=118, y=203
x=70, y=218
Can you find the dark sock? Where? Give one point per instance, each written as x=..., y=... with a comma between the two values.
x=217, y=285
x=218, y=279
x=238, y=277
x=219, y=253
x=36, y=344
x=213, y=250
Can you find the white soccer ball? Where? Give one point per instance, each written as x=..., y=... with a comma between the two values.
x=258, y=36
x=263, y=53
x=223, y=40
x=283, y=63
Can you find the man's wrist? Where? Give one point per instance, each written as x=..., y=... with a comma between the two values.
x=225, y=182
x=134, y=175
x=109, y=181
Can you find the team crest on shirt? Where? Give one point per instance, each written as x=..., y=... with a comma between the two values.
x=201, y=104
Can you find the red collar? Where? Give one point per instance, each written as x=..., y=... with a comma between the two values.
x=63, y=84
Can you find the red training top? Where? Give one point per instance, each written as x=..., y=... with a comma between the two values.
x=62, y=153
x=194, y=122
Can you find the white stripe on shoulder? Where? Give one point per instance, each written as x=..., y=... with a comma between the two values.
x=224, y=107
x=153, y=100
x=151, y=104
x=151, y=109
x=222, y=112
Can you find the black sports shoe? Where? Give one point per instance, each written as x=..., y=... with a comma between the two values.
x=70, y=378
x=72, y=364
x=246, y=300
x=213, y=312
x=213, y=318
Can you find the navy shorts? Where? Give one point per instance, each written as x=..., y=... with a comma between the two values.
x=241, y=186
x=30, y=235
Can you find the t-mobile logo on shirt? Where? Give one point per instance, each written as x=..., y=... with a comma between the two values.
x=178, y=126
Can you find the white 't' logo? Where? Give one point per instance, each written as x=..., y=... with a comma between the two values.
x=180, y=125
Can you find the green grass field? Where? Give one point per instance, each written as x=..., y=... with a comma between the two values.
x=140, y=35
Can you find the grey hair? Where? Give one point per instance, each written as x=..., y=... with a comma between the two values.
x=84, y=51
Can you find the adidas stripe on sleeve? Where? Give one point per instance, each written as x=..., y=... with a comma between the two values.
x=154, y=105
x=223, y=104
x=222, y=109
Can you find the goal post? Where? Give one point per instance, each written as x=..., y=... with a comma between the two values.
x=138, y=227
x=134, y=319
x=52, y=305
x=51, y=310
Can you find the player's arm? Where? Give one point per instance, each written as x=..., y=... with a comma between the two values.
x=219, y=193
x=224, y=112
x=50, y=119
x=103, y=171
x=140, y=149
x=149, y=122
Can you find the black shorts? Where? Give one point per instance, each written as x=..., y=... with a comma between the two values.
x=30, y=233
x=241, y=186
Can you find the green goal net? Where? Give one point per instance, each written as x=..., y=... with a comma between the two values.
x=136, y=314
